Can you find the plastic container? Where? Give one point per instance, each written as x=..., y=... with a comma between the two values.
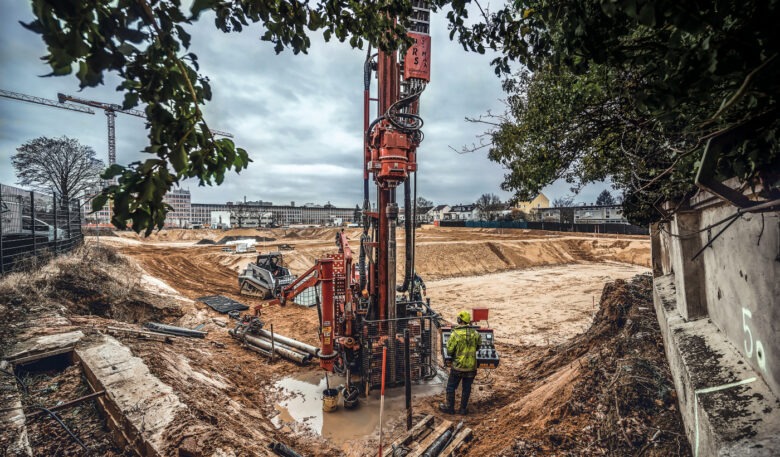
x=330, y=400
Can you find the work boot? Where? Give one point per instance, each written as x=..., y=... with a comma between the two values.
x=463, y=411
x=446, y=409
x=449, y=407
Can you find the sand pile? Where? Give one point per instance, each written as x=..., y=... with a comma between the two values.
x=605, y=392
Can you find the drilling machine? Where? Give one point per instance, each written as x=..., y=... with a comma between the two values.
x=361, y=311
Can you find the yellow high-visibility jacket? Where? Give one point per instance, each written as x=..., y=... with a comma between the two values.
x=462, y=346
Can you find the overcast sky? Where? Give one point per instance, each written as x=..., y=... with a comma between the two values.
x=299, y=117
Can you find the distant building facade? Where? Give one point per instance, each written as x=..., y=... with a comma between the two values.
x=461, y=213
x=436, y=213
x=180, y=216
x=599, y=214
x=537, y=203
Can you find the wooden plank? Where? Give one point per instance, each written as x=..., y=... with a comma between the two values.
x=410, y=435
x=141, y=334
x=457, y=442
x=42, y=355
x=423, y=445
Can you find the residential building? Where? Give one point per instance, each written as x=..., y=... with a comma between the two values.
x=461, y=213
x=436, y=213
x=538, y=202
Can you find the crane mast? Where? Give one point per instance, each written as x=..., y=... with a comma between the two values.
x=111, y=109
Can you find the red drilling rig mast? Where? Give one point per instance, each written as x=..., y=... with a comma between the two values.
x=361, y=310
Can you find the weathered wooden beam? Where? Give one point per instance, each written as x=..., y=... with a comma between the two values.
x=42, y=355
x=142, y=334
x=425, y=444
x=411, y=435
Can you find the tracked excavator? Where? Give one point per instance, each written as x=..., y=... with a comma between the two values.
x=265, y=277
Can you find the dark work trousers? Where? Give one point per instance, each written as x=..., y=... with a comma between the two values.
x=452, y=385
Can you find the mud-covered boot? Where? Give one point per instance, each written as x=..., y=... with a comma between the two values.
x=464, y=402
x=449, y=406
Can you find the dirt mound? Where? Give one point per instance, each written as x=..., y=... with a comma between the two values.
x=225, y=239
x=93, y=280
x=607, y=391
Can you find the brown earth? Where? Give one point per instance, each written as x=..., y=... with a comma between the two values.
x=540, y=287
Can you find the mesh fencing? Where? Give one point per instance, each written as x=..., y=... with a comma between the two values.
x=423, y=349
x=35, y=226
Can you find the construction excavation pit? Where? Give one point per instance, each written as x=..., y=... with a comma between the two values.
x=147, y=346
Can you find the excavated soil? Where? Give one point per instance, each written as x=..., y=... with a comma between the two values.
x=542, y=289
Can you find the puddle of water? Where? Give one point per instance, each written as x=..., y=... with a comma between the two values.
x=301, y=405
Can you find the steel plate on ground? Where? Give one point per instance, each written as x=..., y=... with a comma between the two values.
x=223, y=304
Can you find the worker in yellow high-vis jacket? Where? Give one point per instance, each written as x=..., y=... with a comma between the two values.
x=462, y=346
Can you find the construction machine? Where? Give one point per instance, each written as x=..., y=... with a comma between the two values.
x=265, y=277
x=364, y=311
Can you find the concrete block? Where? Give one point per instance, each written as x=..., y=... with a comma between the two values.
x=139, y=406
x=689, y=273
x=13, y=426
x=727, y=408
x=44, y=343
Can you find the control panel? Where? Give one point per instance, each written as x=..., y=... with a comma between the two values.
x=487, y=356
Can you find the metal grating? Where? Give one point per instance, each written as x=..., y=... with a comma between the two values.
x=223, y=304
x=423, y=342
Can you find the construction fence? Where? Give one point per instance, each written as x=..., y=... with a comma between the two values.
x=620, y=229
x=35, y=226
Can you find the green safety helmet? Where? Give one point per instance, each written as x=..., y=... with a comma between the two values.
x=464, y=317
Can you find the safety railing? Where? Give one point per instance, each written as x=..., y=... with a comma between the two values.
x=35, y=226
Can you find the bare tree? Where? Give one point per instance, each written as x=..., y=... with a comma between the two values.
x=423, y=202
x=563, y=202
x=59, y=164
x=488, y=206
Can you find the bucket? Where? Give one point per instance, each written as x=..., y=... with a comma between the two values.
x=330, y=400
x=351, y=397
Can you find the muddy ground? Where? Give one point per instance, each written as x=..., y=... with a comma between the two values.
x=543, y=289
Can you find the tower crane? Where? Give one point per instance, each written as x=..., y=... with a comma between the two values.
x=44, y=101
x=111, y=109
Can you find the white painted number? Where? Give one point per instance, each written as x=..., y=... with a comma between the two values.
x=760, y=355
x=748, y=314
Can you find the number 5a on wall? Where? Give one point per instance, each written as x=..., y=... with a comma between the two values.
x=749, y=343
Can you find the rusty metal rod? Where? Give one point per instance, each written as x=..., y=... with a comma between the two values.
x=67, y=404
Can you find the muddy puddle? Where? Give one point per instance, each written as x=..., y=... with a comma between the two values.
x=299, y=403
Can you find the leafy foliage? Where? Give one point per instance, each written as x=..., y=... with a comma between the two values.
x=632, y=89
x=605, y=198
x=62, y=164
x=146, y=43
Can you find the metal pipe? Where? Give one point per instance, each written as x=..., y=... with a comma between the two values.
x=436, y=447
x=172, y=330
x=382, y=397
x=265, y=347
x=273, y=343
x=283, y=450
x=282, y=350
x=307, y=348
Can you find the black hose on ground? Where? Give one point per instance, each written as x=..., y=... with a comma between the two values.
x=62, y=424
x=18, y=379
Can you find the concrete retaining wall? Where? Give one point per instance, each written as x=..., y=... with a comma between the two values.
x=720, y=313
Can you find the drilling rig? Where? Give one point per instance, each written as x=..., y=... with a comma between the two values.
x=362, y=308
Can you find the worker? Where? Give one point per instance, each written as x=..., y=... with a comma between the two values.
x=462, y=347
x=418, y=288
